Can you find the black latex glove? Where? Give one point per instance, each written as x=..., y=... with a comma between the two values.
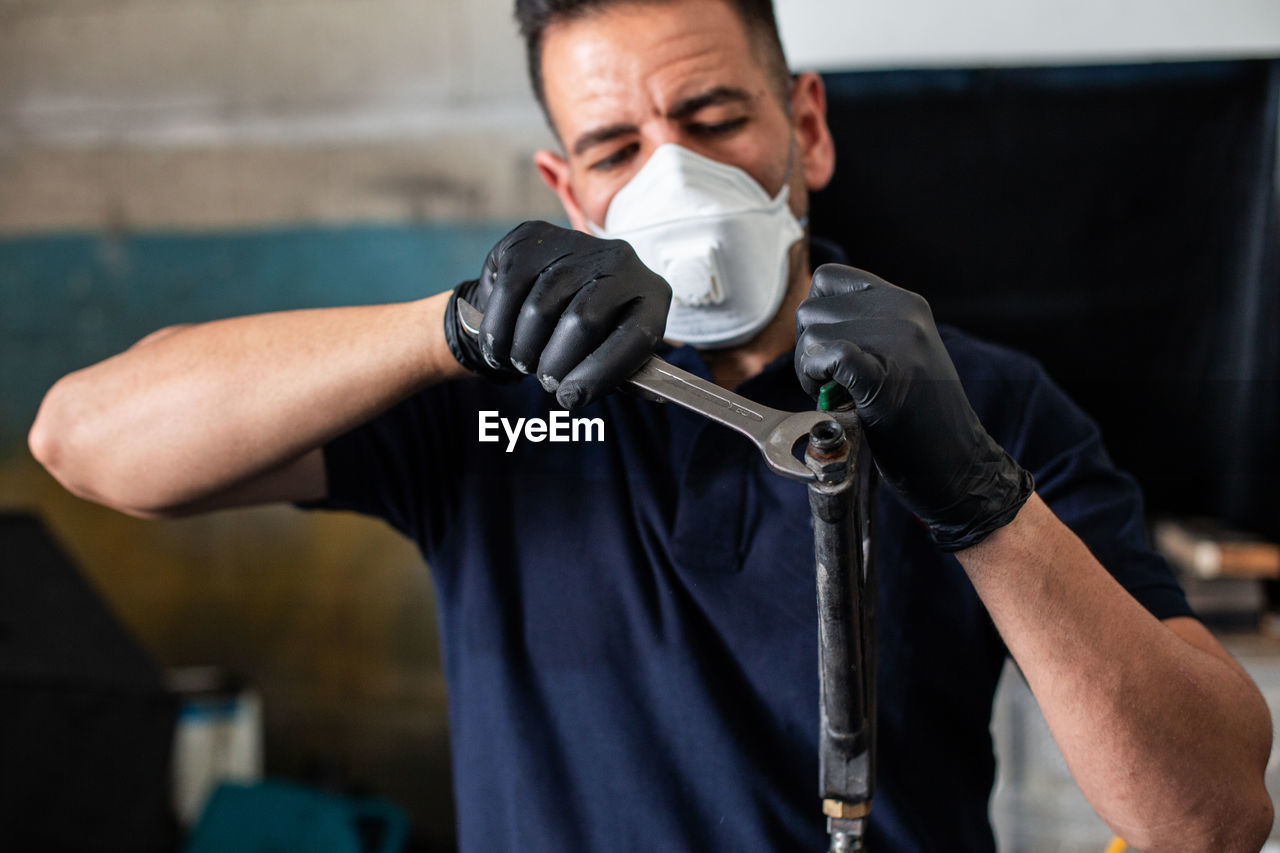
x=880, y=342
x=579, y=312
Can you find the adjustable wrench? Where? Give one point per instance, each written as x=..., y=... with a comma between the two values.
x=774, y=432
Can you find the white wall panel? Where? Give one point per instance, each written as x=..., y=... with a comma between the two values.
x=833, y=34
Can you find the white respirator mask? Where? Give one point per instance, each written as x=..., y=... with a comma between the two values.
x=717, y=238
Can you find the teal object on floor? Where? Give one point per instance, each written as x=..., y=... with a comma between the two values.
x=277, y=817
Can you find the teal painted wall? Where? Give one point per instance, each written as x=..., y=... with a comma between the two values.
x=73, y=299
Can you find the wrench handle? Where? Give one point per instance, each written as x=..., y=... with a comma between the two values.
x=663, y=380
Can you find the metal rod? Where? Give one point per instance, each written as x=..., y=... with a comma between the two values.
x=842, y=506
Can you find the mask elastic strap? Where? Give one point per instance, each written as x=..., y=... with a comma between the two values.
x=786, y=181
x=786, y=172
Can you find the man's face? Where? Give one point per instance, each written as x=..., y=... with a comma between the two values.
x=624, y=80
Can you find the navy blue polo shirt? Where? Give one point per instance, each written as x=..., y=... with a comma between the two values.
x=629, y=626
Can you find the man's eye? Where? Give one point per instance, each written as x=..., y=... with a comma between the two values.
x=720, y=128
x=617, y=158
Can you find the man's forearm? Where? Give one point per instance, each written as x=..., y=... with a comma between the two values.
x=1167, y=741
x=191, y=412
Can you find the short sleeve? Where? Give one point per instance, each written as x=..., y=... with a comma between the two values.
x=1076, y=478
x=1049, y=435
x=399, y=466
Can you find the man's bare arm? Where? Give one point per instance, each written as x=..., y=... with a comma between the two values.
x=234, y=412
x=1164, y=732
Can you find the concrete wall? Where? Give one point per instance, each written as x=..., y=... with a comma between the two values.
x=225, y=113
x=213, y=113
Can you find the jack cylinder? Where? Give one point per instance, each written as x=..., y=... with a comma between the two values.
x=841, y=503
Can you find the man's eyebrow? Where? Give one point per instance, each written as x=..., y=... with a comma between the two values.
x=682, y=110
x=602, y=134
x=719, y=95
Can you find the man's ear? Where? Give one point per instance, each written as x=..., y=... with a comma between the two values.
x=554, y=170
x=813, y=137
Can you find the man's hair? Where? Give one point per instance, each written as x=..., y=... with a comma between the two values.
x=534, y=16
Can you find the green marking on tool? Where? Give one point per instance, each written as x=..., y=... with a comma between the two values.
x=828, y=396
x=832, y=396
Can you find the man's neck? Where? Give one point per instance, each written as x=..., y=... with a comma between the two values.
x=735, y=365
x=732, y=366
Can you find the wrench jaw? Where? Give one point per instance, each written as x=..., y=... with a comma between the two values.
x=779, y=447
x=469, y=317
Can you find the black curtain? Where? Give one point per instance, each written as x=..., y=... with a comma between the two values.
x=1116, y=222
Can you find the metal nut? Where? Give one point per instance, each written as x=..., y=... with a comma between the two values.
x=841, y=809
x=829, y=470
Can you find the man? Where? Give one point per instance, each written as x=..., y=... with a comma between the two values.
x=629, y=625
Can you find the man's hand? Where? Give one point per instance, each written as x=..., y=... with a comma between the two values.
x=880, y=343
x=580, y=312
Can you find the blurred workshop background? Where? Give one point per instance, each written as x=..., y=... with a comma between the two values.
x=170, y=162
